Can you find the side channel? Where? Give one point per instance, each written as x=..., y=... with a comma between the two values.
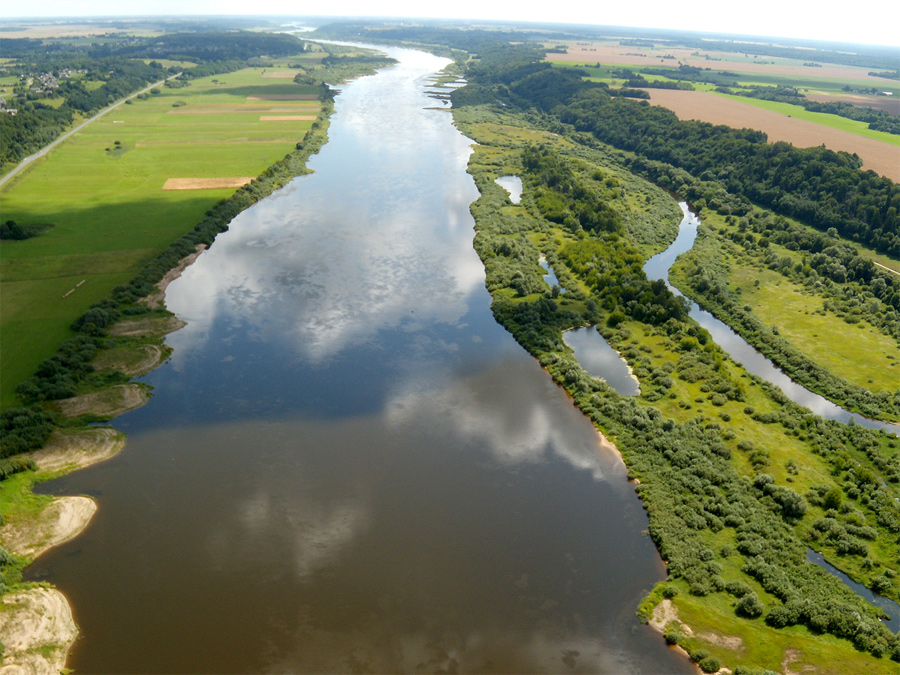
x=658, y=268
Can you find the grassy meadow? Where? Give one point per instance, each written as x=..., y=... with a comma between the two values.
x=102, y=190
x=820, y=334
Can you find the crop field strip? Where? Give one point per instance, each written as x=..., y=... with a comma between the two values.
x=117, y=166
x=879, y=151
x=880, y=156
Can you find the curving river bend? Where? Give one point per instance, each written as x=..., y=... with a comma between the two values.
x=658, y=268
x=348, y=465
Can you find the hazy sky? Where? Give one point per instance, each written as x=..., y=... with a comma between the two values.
x=869, y=21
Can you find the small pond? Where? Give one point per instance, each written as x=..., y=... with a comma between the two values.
x=549, y=274
x=513, y=185
x=600, y=360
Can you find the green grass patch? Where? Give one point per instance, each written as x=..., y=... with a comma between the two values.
x=717, y=630
x=858, y=352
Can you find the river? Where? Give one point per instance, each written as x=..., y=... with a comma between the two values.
x=347, y=465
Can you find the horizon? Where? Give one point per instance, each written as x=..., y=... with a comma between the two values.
x=794, y=21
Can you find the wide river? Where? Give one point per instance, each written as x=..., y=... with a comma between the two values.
x=347, y=465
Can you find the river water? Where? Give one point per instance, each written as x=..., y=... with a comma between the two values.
x=347, y=465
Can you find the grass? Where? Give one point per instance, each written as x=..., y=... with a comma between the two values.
x=713, y=618
x=822, y=335
x=109, y=213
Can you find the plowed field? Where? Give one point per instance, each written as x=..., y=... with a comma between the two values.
x=707, y=107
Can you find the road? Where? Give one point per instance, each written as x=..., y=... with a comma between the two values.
x=40, y=153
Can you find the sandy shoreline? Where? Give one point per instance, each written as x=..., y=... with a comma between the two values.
x=38, y=629
x=36, y=624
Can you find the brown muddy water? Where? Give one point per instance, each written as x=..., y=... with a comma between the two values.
x=348, y=466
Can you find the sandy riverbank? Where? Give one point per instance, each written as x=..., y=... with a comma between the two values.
x=38, y=629
x=157, y=299
x=36, y=625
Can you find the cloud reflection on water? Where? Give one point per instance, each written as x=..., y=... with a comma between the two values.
x=296, y=268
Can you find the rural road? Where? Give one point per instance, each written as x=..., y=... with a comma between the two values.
x=40, y=153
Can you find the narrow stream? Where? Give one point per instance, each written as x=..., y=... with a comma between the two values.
x=889, y=606
x=658, y=268
x=736, y=347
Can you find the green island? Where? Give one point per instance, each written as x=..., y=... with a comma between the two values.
x=797, y=251
x=83, y=279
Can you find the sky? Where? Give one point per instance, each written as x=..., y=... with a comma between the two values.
x=867, y=21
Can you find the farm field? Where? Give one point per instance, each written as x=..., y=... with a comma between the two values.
x=103, y=192
x=822, y=82
x=879, y=156
x=746, y=64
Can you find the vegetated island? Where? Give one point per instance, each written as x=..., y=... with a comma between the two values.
x=738, y=481
x=49, y=424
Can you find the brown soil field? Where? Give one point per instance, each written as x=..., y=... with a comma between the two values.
x=206, y=183
x=707, y=107
x=287, y=118
x=284, y=97
x=616, y=55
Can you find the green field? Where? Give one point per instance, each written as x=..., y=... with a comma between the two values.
x=822, y=335
x=109, y=212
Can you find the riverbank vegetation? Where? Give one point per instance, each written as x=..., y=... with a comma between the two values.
x=734, y=476
x=737, y=480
